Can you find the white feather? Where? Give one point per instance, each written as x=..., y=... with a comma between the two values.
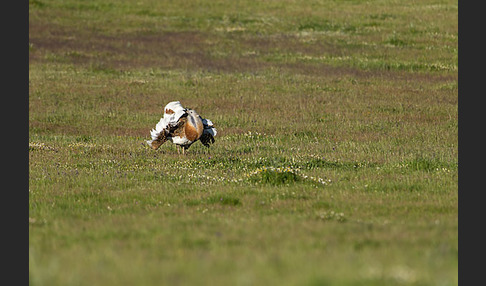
x=207, y=122
x=167, y=119
x=175, y=106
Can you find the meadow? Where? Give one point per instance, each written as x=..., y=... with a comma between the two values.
x=335, y=163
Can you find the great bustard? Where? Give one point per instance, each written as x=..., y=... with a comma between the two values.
x=181, y=126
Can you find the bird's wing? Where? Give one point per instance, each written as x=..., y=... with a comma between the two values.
x=173, y=108
x=209, y=127
x=208, y=132
x=165, y=127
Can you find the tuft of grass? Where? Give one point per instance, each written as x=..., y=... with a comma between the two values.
x=429, y=165
x=274, y=176
x=325, y=26
x=395, y=41
x=224, y=200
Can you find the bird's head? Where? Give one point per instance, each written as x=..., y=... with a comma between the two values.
x=192, y=113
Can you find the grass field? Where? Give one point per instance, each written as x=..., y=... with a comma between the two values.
x=335, y=161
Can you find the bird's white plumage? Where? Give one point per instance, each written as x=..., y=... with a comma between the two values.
x=168, y=118
x=175, y=106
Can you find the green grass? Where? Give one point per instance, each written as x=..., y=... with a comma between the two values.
x=335, y=161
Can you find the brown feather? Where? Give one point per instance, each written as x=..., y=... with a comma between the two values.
x=191, y=132
x=161, y=138
x=179, y=129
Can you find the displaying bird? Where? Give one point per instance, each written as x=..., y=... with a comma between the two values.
x=181, y=126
